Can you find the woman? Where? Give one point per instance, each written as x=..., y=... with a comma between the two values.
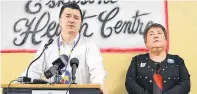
x=157, y=70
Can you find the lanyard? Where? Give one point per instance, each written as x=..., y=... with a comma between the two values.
x=59, y=52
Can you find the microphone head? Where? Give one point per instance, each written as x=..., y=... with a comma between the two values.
x=74, y=61
x=50, y=41
x=64, y=58
x=58, y=64
x=61, y=61
x=50, y=72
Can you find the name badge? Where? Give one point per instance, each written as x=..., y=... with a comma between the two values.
x=170, y=61
x=142, y=64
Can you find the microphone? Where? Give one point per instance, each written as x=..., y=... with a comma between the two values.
x=58, y=64
x=39, y=81
x=35, y=81
x=49, y=43
x=26, y=79
x=74, y=62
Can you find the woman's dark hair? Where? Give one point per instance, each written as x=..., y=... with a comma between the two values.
x=151, y=26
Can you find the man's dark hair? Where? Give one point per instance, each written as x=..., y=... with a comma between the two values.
x=72, y=5
x=151, y=26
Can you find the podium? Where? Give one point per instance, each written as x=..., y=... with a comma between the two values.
x=51, y=89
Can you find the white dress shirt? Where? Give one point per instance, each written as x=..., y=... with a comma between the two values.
x=90, y=69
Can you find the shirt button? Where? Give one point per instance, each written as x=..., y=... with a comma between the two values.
x=150, y=81
x=169, y=78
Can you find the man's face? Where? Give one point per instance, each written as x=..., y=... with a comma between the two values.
x=70, y=21
x=155, y=38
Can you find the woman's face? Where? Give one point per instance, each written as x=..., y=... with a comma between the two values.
x=155, y=38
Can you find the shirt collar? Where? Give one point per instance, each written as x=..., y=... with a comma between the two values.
x=72, y=43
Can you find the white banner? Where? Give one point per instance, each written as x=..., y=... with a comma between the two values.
x=113, y=25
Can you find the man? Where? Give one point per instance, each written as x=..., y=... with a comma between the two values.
x=74, y=45
x=157, y=72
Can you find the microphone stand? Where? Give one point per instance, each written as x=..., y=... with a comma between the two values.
x=45, y=47
x=73, y=78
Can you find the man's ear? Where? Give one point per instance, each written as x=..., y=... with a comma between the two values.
x=60, y=22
